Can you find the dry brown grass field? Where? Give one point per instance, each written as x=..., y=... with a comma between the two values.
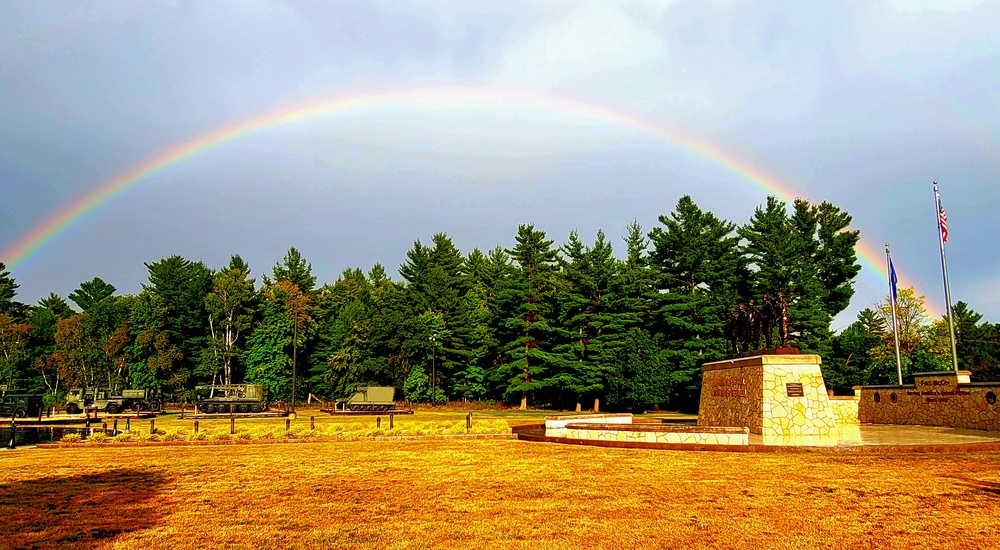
x=463, y=493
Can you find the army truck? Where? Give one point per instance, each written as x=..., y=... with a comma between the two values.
x=233, y=398
x=19, y=404
x=368, y=398
x=112, y=402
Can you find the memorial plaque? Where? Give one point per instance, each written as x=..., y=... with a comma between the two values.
x=794, y=389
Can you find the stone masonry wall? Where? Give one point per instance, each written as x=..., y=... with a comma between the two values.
x=934, y=399
x=772, y=395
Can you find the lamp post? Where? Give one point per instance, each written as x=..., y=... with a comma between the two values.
x=295, y=340
x=433, y=370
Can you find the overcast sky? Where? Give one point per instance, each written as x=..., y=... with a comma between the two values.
x=859, y=104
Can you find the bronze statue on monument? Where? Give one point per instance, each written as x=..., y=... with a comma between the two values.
x=749, y=323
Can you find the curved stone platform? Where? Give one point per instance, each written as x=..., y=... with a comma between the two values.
x=657, y=433
x=874, y=439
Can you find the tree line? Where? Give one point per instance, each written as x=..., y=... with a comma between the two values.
x=535, y=324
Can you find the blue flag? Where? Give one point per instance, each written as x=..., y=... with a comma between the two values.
x=892, y=279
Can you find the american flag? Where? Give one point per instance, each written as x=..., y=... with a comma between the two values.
x=943, y=220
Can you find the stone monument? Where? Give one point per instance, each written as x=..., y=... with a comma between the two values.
x=780, y=396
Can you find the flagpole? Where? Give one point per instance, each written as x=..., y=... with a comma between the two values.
x=944, y=271
x=892, y=298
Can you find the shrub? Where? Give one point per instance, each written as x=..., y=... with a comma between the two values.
x=124, y=437
x=71, y=438
x=98, y=437
x=175, y=435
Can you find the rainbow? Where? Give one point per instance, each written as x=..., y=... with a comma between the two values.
x=447, y=97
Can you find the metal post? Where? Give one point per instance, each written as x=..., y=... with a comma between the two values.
x=944, y=271
x=13, y=434
x=895, y=323
x=86, y=411
x=128, y=424
x=116, y=427
x=104, y=426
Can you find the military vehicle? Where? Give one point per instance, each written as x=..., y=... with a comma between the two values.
x=233, y=398
x=19, y=404
x=112, y=402
x=368, y=398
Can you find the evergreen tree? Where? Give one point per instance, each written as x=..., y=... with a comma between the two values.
x=701, y=276
x=638, y=282
x=529, y=316
x=809, y=257
x=55, y=305
x=295, y=269
x=90, y=293
x=644, y=375
x=853, y=353
x=8, y=289
x=180, y=287
x=436, y=285
x=589, y=317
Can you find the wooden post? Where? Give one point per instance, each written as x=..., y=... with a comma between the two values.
x=390, y=422
x=378, y=421
x=597, y=405
x=312, y=421
x=232, y=424
x=288, y=425
x=39, y=414
x=128, y=424
x=195, y=426
x=468, y=423
x=104, y=425
x=86, y=411
x=152, y=426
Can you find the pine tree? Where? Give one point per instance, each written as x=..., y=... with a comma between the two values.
x=529, y=335
x=295, y=269
x=637, y=281
x=589, y=319
x=696, y=256
x=91, y=292
x=8, y=289
x=180, y=286
x=802, y=256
